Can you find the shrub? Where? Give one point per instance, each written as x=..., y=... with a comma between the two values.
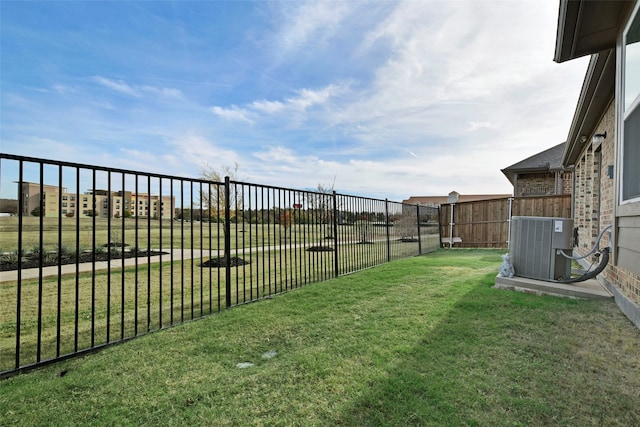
x=11, y=257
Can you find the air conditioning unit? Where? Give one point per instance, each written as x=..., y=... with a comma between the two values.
x=535, y=244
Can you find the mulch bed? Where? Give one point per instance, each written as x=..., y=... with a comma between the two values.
x=320, y=249
x=33, y=261
x=220, y=262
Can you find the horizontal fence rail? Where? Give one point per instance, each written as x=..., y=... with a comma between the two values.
x=91, y=256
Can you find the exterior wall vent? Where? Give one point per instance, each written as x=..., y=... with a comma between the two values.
x=535, y=246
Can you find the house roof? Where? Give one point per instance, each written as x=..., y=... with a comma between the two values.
x=549, y=160
x=443, y=200
x=596, y=94
x=588, y=27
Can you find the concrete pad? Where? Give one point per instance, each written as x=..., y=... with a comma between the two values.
x=589, y=289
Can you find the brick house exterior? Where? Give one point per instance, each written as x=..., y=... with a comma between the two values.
x=541, y=174
x=603, y=144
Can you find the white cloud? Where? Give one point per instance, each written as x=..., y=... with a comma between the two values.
x=118, y=86
x=277, y=154
x=62, y=89
x=302, y=23
x=136, y=91
x=307, y=97
x=473, y=126
x=233, y=113
x=267, y=107
x=193, y=150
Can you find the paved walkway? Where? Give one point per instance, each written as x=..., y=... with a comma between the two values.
x=34, y=273
x=178, y=255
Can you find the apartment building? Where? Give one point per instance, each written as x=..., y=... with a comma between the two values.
x=99, y=203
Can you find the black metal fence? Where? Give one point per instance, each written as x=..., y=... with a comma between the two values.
x=91, y=256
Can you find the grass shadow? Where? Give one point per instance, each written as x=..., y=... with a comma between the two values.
x=505, y=358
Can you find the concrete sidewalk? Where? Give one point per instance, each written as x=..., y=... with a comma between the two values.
x=178, y=255
x=34, y=273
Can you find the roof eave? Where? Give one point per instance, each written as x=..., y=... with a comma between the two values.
x=596, y=94
x=588, y=27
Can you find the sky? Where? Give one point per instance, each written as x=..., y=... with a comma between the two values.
x=385, y=99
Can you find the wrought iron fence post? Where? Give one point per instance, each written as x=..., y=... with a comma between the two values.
x=418, y=223
x=21, y=202
x=227, y=241
x=335, y=234
x=387, y=224
x=509, y=223
x=439, y=227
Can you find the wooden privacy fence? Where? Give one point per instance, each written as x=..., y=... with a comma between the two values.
x=485, y=223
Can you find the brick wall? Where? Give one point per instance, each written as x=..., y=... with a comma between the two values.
x=543, y=184
x=595, y=203
x=567, y=182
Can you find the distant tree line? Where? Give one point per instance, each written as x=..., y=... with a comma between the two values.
x=9, y=206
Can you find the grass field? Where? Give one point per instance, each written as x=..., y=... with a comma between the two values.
x=145, y=233
x=188, y=234
x=125, y=302
x=421, y=341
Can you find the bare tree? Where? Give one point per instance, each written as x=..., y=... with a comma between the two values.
x=213, y=196
x=286, y=221
x=321, y=203
x=407, y=227
x=364, y=230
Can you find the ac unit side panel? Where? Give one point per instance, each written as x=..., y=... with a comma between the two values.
x=533, y=252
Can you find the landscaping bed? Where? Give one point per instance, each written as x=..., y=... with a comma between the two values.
x=9, y=262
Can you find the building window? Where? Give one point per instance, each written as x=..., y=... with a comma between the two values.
x=64, y=197
x=630, y=185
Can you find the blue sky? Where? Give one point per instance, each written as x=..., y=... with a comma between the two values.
x=386, y=99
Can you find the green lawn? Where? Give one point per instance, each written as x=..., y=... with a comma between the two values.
x=420, y=341
x=166, y=233
x=188, y=234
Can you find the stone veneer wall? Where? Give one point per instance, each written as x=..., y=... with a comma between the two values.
x=595, y=198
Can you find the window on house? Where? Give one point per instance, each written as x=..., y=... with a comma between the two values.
x=631, y=115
